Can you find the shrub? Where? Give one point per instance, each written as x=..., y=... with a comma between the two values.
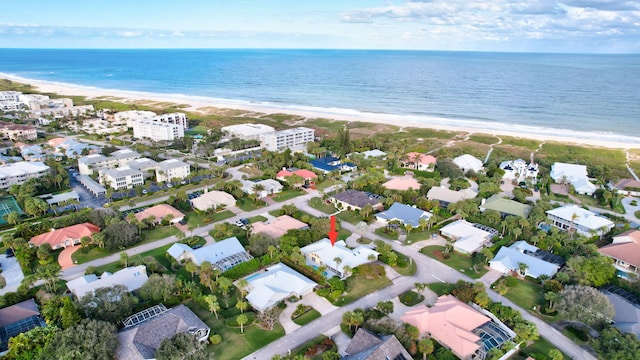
x=511, y=281
x=243, y=269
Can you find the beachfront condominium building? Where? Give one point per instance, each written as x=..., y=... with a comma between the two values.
x=128, y=117
x=18, y=173
x=172, y=169
x=173, y=118
x=157, y=131
x=247, y=131
x=295, y=139
x=17, y=132
x=121, y=178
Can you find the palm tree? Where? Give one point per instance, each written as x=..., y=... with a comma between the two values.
x=243, y=286
x=522, y=268
x=241, y=320
x=257, y=189
x=242, y=306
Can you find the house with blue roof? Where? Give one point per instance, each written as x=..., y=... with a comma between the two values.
x=404, y=214
x=537, y=262
x=328, y=164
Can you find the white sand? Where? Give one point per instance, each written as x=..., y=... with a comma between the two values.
x=608, y=140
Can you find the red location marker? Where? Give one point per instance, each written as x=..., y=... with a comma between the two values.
x=333, y=234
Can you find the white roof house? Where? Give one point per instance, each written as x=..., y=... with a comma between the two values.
x=132, y=277
x=468, y=162
x=323, y=253
x=247, y=131
x=223, y=254
x=447, y=196
x=468, y=238
x=583, y=221
x=508, y=259
x=574, y=174
x=213, y=199
x=270, y=187
x=375, y=153
x=519, y=170
x=278, y=282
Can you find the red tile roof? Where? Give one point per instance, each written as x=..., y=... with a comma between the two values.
x=59, y=236
x=625, y=247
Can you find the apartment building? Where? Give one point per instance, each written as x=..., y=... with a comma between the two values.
x=15, y=132
x=247, y=131
x=128, y=117
x=172, y=169
x=121, y=178
x=173, y=118
x=98, y=162
x=19, y=172
x=157, y=131
x=124, y=156
x=295, y=139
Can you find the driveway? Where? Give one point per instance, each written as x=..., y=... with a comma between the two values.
x=64, y=258
x=12, y=274
x=631, y=209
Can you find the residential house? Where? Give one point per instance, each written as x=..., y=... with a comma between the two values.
x=355, y=200
x=32, y=152
x=159, y=212
x=404, y=214
x=213, y=199
x=269, y=186
x=144, y=331
x=625, y=252
x=132, y=278
x=171, y=169
x=374, y=154
x=419, y=161
x=573, y=174
x=627, y=309
x=446, y=196
x=69, y=236
x=278, y=282
x=278, y=226
x=628, y=187
x=323, y=253
x=575, y=218
x=538, y=262
x=295, y=139
x=469, y=238
x=328, y=164
x=457, y=326
x=223, y=254
x=367, y=346
x=121, y=178
x=308, y=176
x=518, y=170
x=403, y=183
x=18, y=173
x=17, y=319
x=468, y=162
x=71, y=148
x=247, y=132
x=505, y=206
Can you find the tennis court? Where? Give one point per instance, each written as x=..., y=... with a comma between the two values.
x=8, y=204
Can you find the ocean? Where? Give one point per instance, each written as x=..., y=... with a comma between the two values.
x=597, y=95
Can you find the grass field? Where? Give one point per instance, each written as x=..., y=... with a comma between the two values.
x=381, y=232
x=247, y=204
x=307, y=317
x=318, y=204
x=358, y=287
x=457, y=261
x=287, y=194
x=539, y=347
x=257, y=218
x=352, y=217
x=526, y=295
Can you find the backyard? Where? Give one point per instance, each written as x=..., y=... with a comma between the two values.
x=457, y=261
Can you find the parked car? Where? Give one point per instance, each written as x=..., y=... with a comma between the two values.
x=9, y=253
x=182, y=222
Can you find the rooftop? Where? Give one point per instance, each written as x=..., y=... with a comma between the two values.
x=625, y=247
x=506, y=206
x=57, y=237
x=358, y=198
x=402, y=183
x=580, y=217
x=405, y=214
x=121, y=171
x=131, y=277
x=278, y=227
x=22, y=168
x=171, y=164
x=275, y=284
x=159, y=212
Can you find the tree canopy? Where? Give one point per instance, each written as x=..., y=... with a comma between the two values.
x=585, y=304
x=91, y=339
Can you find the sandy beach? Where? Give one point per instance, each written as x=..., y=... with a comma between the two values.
x=197, y=103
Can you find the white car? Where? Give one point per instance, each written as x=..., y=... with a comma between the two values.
x=144, y=191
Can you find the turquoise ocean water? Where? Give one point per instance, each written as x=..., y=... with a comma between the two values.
x=593, y=94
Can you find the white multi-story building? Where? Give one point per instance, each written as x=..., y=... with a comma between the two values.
x=295, y=139
x=16, y=132
x=61, y=111
x=10, y=96
x=124, y=156
x=19, y=172
x=172, y=169
x=89, y=163
x=157, y=131
x=247, y=131
x=574, y=174
x=519, y=170
x=128, y=117
x=173, y=118
x=121, y=178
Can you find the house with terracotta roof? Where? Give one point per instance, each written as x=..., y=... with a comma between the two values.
x=629, y=187
x=367, y=346
x=468, y=333
x=278, y=226
x=419, y=161
x=625, y=251
x=69, y=236
x=403, y=183
x=308, y=176
x=159, y=212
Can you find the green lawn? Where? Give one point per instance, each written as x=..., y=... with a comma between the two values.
x=219, y=216
x=196, y=219
x=288, y=194
x=535, y=350
x=352, y=217
x=441, y=288
x=457, y=261
x=318, y=204
x=157, y=253
x=526, y=295
x=307, y=317
x=80, y=257
x=417, y=235
x=325, y=184
x=406, y=266
x=257, y=218
x=381, y=232
x=358, y=287
x=235, y=345
x=411, y=298
x=247, y=204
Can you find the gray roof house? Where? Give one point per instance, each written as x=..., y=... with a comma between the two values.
x=355, y=199
x=538, y=262
x=17, y=319
x=627, y=309
x=367, y=346
x=144, y=331
x=223, y=254
x=403, y=213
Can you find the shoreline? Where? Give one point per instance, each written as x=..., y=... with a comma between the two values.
x=197, y=103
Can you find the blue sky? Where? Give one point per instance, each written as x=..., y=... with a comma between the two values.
x=594, y=26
